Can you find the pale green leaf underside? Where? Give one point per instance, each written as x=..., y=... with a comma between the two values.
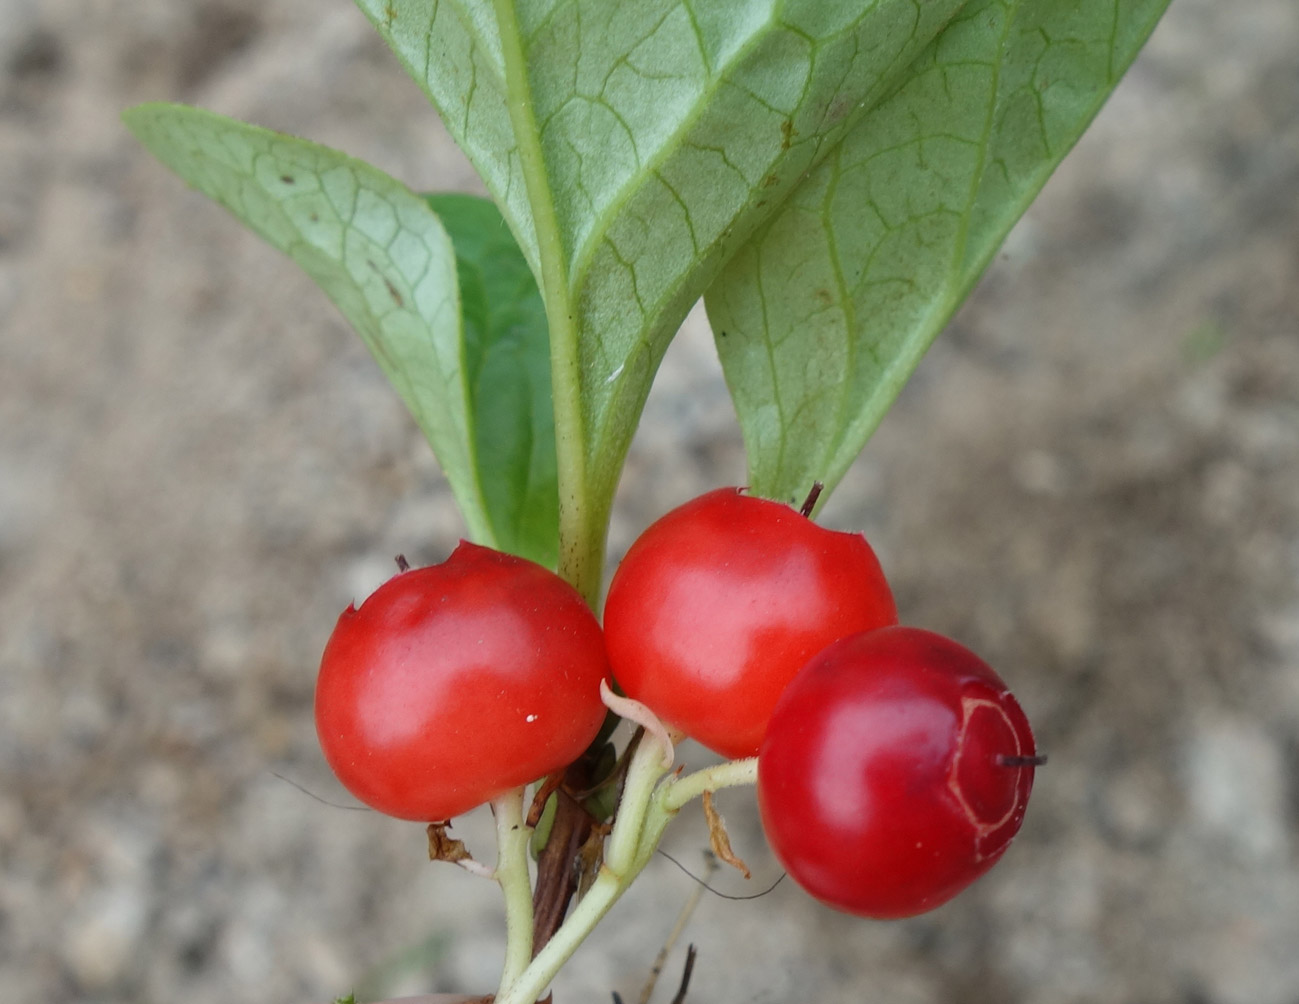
x=822, y=317
x=376, y=249
x=668, y=129
x=507, y=375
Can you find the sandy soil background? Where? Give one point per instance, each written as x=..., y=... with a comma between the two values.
x=1093, y=480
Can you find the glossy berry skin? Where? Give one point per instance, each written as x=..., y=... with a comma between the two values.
x=881, y=782
x=454, y=683
x=720, y=602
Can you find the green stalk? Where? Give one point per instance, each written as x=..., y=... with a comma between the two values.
x=675, y=794
x=582, y=519
x=649, y=803
x=511, y=874
x=623, y=847
x=629, y=830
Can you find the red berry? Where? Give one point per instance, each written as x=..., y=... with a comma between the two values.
x=895, y=772
x=454, y=683
x=719, y=604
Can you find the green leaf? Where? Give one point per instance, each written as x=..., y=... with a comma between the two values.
x=632, y=147
x=376, y=249
x=507, y=375
x=822, y=317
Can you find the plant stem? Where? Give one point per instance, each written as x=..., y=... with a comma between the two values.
x=603, y=893
x=557, y=880
x=582, y=518
x=643, y=773
x=512, y=876
x=648, y=805
x=676, y=793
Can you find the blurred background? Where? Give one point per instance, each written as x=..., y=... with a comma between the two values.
x=1093, y=481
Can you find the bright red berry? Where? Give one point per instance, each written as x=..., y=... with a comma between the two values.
x=719, y=603
x=895, y=772
x=454, y=683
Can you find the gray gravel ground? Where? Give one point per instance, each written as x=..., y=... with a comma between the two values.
x=1093, y=480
